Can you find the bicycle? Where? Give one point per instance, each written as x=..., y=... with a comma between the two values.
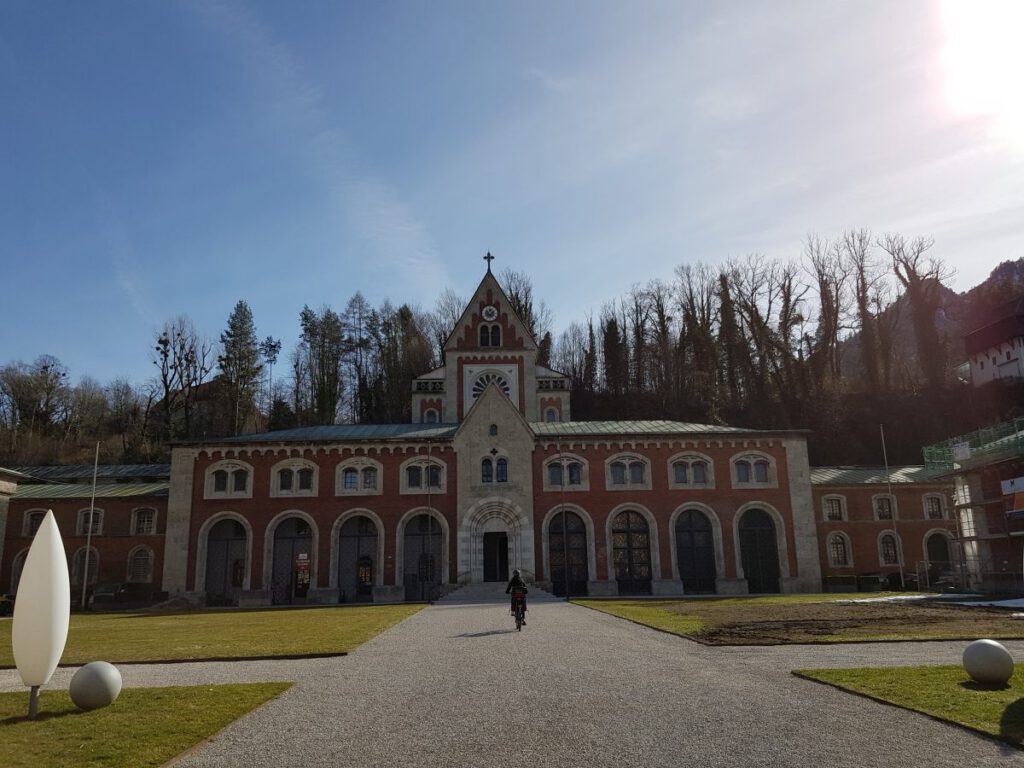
x=519, y=608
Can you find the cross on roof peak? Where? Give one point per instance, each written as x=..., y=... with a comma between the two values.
x=488, y=258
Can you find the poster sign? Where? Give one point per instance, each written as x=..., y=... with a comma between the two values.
x=1013, y=493
x=301, y=574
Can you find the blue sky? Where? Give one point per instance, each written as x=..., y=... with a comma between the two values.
x=166, y=158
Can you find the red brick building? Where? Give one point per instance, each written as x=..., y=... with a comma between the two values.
x=494, y=475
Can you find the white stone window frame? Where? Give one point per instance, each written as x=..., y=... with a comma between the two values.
x=849, y=549
x=294, y=464
x=892, y=502
x=551, y=415
x=752, y=457
x=690, y=457
x=493, y=458
x=82, y=521
x=943, y=514
x=26, y=524
x=627, y=458
x=94, y=563
x=230, y=466
x=899, y=549
x=423, y=462
x=135, y=520
x=843, y=513
x=431, y=412
x=566, y=459
x=152, y=563
x=358, y=463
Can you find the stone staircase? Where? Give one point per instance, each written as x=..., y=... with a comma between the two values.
x=493, y=592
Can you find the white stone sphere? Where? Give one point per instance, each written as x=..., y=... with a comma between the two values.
x=95, y=685
x=987, y=661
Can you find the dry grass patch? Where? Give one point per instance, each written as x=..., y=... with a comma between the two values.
x=812, y=619
x=144, y=727
x=120, y=637
x=944, y=692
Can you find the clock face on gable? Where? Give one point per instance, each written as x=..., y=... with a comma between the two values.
x=490, y=312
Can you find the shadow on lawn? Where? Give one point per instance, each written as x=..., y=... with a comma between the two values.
x=1011, y=724
x=41, y=716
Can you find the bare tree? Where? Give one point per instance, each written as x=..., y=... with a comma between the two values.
x=183, y=360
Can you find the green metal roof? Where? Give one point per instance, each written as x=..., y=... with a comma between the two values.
x=979, y=448
x=872, y=475
x=84, y=491
x=340, y=432
x=626, y=428
x=57, y=473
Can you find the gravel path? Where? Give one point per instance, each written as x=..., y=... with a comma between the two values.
x=454, y=685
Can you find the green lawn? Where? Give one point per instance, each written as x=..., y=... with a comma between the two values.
x=119, y=637
x=945, y=692
x=144, y=727
x=811, y=618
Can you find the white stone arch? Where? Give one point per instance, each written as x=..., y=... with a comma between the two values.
x=400, y=542
x=268, y=546
x=82, y=520
x=628, y=458
x=689, y=456
x=588, y=523
x=565, y=459
x=496, y=513
x=931, y=532
x=942, y=505
x=843, y=512
x=752, y=456
x=849, y=549
x=230, y=466
x=892, y=501
x=716, y=535
x=294, y=463
x=94, y=562
x=652, y=526
x=344, y=517
x=201, y=547
x=780, y=537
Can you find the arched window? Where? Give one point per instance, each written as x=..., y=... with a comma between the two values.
x=627, y=472
x=743, y=471
x=430, y=416
x=838, y=551
x=554, y=474
x=834, y=508
x=486, y=471
x=414, y=477
x=492, y=430
x=501, y=471
x=144, y=522
x=370, y=478
x=933, y=507
x=754, y=469
x=33, y=519
x=485, y=335
x=888, y=549
x=421, y=475
x=495, y=335
x=885, y=507
x=78, y=566
x=305, y=479
x=550, y=415
x=229, y=478
x=140, y=565
x=284, y=479
x=84, y=520
x=575, y=473
x=690, y=471
x=761, y=471
x=350, y=479
x=358, y=476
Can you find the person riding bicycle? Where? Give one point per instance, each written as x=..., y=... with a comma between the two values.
x=517, y=585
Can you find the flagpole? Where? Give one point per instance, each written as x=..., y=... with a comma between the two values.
x=88, y=529
x=895, y=511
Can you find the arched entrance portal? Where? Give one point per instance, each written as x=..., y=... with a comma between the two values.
x=357, y=553
x=759, y=552
x=293, y=548
x=631, y=553
x=567, y=554
x=422, y=558
x=495, y=536
x=940, y=565
x=695, y=552
x=225, y=562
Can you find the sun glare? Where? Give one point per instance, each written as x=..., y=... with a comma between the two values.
x=983, y=63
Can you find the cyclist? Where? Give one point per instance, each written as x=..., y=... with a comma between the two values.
x=517, y=585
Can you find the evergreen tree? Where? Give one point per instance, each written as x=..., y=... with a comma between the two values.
x=240, y=366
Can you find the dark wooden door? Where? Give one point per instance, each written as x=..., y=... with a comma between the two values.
x=495, y=557
x=695, y=552
x=759, y=552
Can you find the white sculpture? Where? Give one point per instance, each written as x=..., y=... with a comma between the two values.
x=42, y=610
x=987, y=661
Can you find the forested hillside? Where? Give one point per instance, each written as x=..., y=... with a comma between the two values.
x=857, y=332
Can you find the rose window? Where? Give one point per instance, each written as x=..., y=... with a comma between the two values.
x=489, y=378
